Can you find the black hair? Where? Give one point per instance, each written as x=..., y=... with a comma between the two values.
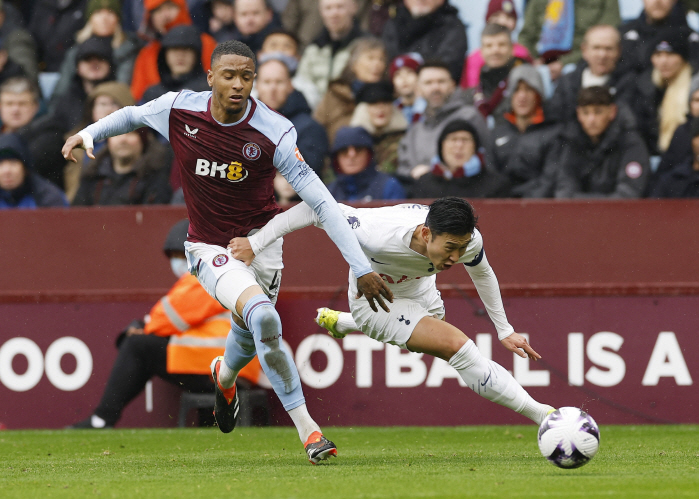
x=595, y=96
x=451, y=215
x=435, y=63
x=232, y=47
x=282, y=31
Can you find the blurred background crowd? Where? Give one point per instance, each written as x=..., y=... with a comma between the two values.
x=560, y=99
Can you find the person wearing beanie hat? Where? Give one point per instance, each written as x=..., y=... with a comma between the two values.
x=600, y=155
x=174, y=341
x=601, y=50
x=403, y=73
x=662, y=101
x=160, y=17
x=679, y=177
x=385, y=123
x=20, y=187
x=504, y=13
x=103, y=19
x=496, y=48
x=179, y=63
x=521, y=139
x=356, y=176
x=638, y=36
x=459, y=169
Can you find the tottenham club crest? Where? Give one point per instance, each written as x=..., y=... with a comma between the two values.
x=252, y=151
x=220, y=260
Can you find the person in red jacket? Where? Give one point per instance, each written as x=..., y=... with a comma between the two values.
x=160, y=17
x=176, y=342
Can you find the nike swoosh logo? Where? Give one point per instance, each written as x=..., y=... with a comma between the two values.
x=486, y=380
x=380, y=263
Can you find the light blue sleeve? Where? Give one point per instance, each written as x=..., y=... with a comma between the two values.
x=313, y=191
x=155, y=114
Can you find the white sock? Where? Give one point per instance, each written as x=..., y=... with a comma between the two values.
x=304, y=422
x=345, y=323
x=492, y=381
x=226, y=375
x=97, y=422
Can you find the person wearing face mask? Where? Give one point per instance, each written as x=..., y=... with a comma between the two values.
x=175, y=342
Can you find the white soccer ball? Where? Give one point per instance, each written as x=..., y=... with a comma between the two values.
x=568, y=437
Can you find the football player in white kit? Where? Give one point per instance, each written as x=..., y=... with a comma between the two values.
x=408, y=245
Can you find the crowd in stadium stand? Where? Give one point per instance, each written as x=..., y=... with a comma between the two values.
x=388, y=101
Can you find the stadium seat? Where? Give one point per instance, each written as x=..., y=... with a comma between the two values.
x=253, y=402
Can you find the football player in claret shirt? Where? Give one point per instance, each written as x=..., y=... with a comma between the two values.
x=228, y=147
x=410, y=244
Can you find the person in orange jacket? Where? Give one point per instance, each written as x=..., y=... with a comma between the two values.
x=176, y=342
x=160, y=17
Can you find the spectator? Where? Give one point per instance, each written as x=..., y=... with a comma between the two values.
x=458, y=169
x=276, y=90
x=103, y=20
x=20, y=187
x=357, y=178
x=175, y=341
x=179, y=63
x=19, y=108
x=94, y=65
x=496, y=48
x=600, y=54
x=367, y=64
x=431, y=28
x=663, y=90
x=680, y=179
x=222, y=16
x=20, y=46
x=598, y=156
x=444, y=103
x=504, y=13
x=385, y=123
x=53, y=25
x=132, y=169
x=252, y=21
x=553, y=36
x=283, y=192
x=8, y=68
x=639, y=35
x=519, y=143
x=282, y=43
x=403, y=73
x=104, y=99
x=161, y=17
x=325, y=58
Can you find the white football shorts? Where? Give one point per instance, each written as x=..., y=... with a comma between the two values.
x=208, y=262
x=395, y=327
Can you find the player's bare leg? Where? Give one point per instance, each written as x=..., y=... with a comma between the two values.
x=263, y=329
x=485, y=377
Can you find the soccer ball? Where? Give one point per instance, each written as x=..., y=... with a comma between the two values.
x=568, y=437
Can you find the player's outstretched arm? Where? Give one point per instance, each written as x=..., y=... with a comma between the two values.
x=75, y=142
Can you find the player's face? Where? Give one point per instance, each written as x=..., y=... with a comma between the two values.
x=231, y=81
x=445, y=250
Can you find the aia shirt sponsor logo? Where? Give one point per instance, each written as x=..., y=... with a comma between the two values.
x=233, y=171
x=252, y=151
x=220, y=260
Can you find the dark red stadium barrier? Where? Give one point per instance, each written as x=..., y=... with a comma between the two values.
x=607, y=292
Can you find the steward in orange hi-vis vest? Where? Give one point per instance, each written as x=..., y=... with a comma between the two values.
x=198, y=326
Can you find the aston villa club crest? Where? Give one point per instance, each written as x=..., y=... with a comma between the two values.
x=252, y=151
x=220, y=260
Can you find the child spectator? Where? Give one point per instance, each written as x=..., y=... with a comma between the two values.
x=458, y=169
x=385, y=123
x=19, y=186
x=103, y=20
x=403, y=74
x=504, y=13
x=357, y=178
x=179, y=63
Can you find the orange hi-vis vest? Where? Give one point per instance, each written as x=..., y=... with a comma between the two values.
x=197, y=325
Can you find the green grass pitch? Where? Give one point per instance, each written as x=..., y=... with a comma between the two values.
x=399, y=462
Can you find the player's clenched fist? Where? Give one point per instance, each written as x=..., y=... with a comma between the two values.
x=241, y=250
